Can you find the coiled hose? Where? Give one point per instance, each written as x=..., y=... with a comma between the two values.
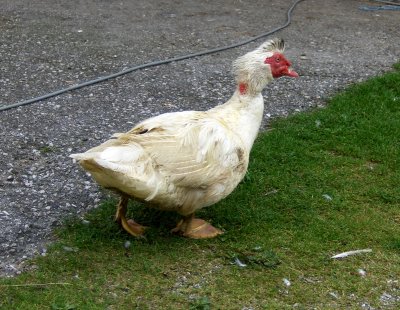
x=154, y=64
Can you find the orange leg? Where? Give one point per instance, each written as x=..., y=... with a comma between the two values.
x=130, y=226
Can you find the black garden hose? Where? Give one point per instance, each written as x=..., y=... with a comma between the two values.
x=153, y=64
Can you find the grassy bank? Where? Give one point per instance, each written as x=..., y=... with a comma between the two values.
x=319, y=183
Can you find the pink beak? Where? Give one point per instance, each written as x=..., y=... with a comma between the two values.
x=289, y=72
x=292, y=73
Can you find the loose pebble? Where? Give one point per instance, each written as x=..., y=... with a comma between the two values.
x=287, y=282
x=127, y=244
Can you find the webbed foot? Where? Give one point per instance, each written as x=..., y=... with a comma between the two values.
x=194, y=228
x=130, y=226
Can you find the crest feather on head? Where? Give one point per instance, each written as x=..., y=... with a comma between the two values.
x=274, y=45
x=250, y=67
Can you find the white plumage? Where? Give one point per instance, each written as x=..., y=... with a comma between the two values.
x=185, y=161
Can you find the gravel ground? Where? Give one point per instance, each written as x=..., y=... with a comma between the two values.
x=46, y=45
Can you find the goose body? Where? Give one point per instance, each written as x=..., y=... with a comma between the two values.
x=184, y=161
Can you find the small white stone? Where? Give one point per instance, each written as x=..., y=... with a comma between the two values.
x=333, y=295
x=127, y=244
x=362, y=272
x=286, y=282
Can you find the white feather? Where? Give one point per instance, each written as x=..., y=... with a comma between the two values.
x=184, y=161
x=349, y=253
x=121, y=154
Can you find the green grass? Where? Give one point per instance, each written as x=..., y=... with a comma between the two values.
x=319, y=183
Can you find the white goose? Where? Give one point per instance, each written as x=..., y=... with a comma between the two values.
x=185, y=161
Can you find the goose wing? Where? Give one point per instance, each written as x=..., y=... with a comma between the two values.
x=191, y=148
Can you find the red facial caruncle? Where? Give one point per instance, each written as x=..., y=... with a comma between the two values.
x=280, y=66
x=243, y=88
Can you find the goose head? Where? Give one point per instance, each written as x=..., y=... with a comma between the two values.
x=254, y=70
